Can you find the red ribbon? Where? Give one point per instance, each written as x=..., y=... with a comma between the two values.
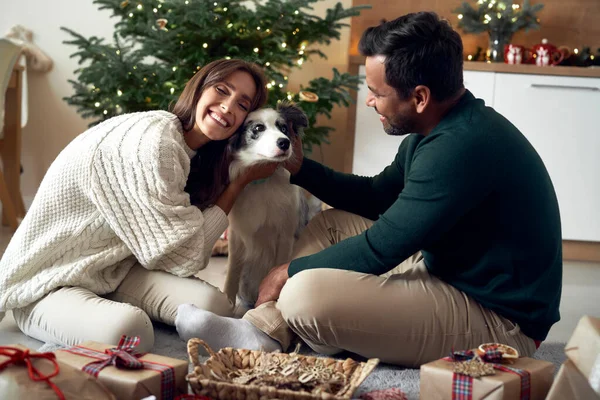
x=19, y=357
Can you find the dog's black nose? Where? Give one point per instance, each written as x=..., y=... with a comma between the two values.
x=283, y=143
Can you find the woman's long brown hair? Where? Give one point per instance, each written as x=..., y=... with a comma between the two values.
x=209, y=172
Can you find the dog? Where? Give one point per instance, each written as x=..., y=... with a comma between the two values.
x=267, y=215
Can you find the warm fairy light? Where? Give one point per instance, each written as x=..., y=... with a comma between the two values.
x=130, y=15
x=470, y=57
x=300, y=61
x=139, y=7
x=181, y=42
x=284, y=44
x=119, y=93
x=230, y=25
x=172, y=90
x=285, y=78
x=269, y=86
x=205, y=45
x=105, y=112
x=155, y=10
x=281, y=85
x=576, y=51
x=97, y=104
x=174, y=69
x=460, y=16
x=289, y=96
x=258, y=28
x=256, y=49
x=301, y=52
x=515, y=6
x=592, y=57
x=296, y=12
x=267, y=64
x=118, y=52
x=499, y=16
x=227, y=58
x=224, y=8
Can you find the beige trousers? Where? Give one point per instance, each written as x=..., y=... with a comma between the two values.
x=71, y=315
x=405, y=316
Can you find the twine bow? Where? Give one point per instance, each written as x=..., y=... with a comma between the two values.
x=122, y=356
x=469, y=365
x=20, y=357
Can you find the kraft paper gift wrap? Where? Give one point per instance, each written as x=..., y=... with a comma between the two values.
x=131, y=384
x=583, y=349
x=570, y=383
x=437, y=378
x=16, y=383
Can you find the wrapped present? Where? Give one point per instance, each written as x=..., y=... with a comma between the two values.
x=583, y=349
x=25, y=374
x=571, y=384
x=485, y=375
x=126, y=373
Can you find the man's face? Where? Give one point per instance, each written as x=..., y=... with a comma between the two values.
x=397, y=116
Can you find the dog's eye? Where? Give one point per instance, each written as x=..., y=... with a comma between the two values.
x=283, y=129
x=258, y=128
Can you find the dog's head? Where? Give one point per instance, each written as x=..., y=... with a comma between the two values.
x=267, y=134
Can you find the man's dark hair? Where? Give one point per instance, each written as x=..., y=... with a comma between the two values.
x=419, y=49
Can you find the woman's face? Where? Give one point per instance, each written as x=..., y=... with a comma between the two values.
x=224, y=106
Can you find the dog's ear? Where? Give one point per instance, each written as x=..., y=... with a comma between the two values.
x=293, y=115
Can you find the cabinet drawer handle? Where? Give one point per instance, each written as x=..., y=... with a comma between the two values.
x=544, y=86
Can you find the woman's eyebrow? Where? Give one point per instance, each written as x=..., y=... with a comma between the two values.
x=244, y=96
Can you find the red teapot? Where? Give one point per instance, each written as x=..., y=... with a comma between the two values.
x=546, y=54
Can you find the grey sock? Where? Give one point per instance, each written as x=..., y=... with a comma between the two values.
x=219, y=332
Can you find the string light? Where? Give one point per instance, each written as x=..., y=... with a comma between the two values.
x=296, y=12
x=281, y=85
x=172, y=90
x=119, y=93
x=515, y=6
x=301, y=52
x=258, y=28
x=470, y=57
x=285, y=78
x=230, y=25
x=268, y=31
x=135, y=67
x=224, y=8
x=160, y=6
x=215, y=3
x=499, y=16
x=460, y=16
x=272, y=82
x=139, y=7
x=174, y=69
x=105, y=112
x=284, y=44
x=187, y=2
x=576, y=51
x=205, y=45
x=145, y=79
x=289, y=96
x=227, y=58
x=300, y=61
x=269, y=86
x=130, y=15
x=181, y=42
x=155, y=10
x=267, y=64
x=97, y=104
x=256, y=49
x=118, y=52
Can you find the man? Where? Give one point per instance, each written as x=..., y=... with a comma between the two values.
x=456, y=243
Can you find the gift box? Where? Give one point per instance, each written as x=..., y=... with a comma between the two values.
x=583, y=349
x=524, y=378
x=127, y=374
x=26, y=374
x=571, y=384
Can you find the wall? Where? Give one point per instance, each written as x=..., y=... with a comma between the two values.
x=53, y=123
x=572, y=23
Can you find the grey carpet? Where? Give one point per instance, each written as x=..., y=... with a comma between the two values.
x=168, y=343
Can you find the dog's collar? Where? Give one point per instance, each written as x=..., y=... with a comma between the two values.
x=259, y=181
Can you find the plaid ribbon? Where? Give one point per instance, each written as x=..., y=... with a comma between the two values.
x=124, y=356
x=462, y=385
x=18, y=357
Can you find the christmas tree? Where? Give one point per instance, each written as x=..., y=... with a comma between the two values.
x=159, y=44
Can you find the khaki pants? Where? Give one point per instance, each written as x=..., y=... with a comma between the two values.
x=405, y=316
x=71, y=315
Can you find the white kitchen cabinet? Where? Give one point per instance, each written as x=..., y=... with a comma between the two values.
x=558, y=115
x=481, y=84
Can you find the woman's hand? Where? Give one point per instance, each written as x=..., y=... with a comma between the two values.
x=259, y=171
x=271, y=286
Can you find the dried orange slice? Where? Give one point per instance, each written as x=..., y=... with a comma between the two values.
x=308, y=96
x=508, y=352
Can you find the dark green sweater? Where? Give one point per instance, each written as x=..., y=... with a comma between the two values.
x=474, y=197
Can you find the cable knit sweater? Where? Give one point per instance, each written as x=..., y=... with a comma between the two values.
x=113, y=197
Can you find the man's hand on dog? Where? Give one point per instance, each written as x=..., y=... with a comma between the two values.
x=271, y=286
x=294, y=163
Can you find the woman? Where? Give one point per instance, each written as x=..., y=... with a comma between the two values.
x=120, y=214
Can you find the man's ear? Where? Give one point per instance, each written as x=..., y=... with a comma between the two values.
x=293, y=115
x=422, y=98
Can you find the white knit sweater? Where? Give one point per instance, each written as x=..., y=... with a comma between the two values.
x=113, y=197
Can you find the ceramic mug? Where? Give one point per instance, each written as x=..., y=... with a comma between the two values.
x=547, y=54
x=516, y=54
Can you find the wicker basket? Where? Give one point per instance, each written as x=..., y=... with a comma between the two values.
x=237, y=374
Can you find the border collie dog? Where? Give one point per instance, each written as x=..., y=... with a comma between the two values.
x=268, y=214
